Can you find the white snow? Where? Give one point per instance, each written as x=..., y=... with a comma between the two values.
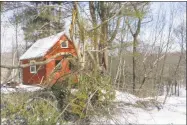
x=41, y=46
x=6, y=90
x=20, y=88
x=173, y=112
x=125, y=97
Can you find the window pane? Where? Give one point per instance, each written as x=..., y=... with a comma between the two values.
x=33, y=69
x=64, y=44
x=59, y=66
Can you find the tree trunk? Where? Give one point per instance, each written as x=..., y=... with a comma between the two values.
x=94, y=24
x=103, y=36
x=134, y=65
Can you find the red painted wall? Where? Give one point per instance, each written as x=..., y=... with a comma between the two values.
x=29, y=78
x=53, y=51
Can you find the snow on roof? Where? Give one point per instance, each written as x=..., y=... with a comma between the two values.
x=41, y=46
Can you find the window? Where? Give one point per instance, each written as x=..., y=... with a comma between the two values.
x=33, y=69
x=64, y=44
x=58, y=65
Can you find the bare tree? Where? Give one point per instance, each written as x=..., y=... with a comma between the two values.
x=139, y=14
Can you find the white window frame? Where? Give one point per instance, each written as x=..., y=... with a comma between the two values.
x=31, y=62
x=66, y=44
x=34, y=68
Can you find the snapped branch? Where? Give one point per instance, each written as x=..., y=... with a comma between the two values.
x=35, y=63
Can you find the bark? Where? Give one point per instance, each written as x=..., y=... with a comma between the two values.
x=165, y=55
x=74, y=17
x=94, y=24
x=135, y=42
x=134, y=66
x=123, y=71
x=35, y=63
x=17, y=51
x=107, y=20
x=115, y=31
x=103, y=36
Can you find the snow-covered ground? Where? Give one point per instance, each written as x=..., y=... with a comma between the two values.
x=173, y=112
x=126, y=111
x=20, y=88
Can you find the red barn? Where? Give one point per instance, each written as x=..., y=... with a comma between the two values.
x=42, y=50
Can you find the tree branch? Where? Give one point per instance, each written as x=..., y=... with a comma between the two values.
x=106, y=20
x=35, y=63
x=115, y=31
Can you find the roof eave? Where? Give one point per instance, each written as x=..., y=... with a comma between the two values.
x=31, y=58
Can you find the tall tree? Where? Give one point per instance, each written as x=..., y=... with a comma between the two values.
x=139, y=11
x=41, y=19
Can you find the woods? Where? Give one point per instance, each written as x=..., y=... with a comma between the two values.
x=133, y=47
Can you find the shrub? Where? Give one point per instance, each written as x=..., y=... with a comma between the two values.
x=92, y=91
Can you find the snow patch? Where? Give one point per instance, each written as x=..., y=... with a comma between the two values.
x=41, y=47
x=125, y=97
x=20, y=88
x=173, y=112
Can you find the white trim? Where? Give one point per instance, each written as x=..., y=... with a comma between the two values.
x=66, y=44
x=34, y=68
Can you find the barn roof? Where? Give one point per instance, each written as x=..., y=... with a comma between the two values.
x=41, y=47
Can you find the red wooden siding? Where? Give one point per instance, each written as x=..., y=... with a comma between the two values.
x=29, y=78
x=57, y=49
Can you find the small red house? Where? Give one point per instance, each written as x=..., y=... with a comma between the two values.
x=45, y=49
